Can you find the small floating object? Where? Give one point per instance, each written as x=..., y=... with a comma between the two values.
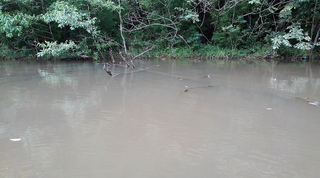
x=269, y=109
x=15, y=139
x=208, y=76
x=316, y=103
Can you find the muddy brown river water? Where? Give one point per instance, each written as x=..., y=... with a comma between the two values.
x=73, y=120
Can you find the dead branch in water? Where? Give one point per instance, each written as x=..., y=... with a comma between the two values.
x=130, y=72
x=124, y=59
x=315, y=103
x=133, y=66
x=108, y=71
x=142, y=53
x=187, y=89
x=111, y=55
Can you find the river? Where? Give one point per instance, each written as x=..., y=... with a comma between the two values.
x=166, y=118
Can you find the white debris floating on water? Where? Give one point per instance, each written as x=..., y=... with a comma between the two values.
x=316, y=103
x=15, y=139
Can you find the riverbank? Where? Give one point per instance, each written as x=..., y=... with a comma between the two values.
x=204, y=53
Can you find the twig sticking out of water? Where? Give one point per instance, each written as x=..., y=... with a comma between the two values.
x=124, y=59
x=111, y=55
x=133, y=66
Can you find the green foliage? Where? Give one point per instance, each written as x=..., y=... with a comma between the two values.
x=233, y=31
x=66, y=14
x=302, y=17
x=295, y=32
x=70, y=18
x=103, y=4
x=181, y=52
x=13, y=25
x=66, y=28
x=289, y=53
x=67, y=49
x=20, y=1
x=188, y=14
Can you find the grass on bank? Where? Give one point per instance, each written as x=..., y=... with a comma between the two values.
x=202, y=52
x=215, y=52
x=209, y=52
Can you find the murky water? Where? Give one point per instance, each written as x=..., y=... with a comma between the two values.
x=63, y=119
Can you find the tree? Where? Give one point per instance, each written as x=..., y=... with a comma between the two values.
x=297, y=14
x=157, y=21
x=67, y=15
x=95, y=28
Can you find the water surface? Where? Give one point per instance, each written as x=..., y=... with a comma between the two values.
x=71, y=119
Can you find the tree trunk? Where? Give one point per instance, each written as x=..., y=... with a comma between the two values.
x=121, y=29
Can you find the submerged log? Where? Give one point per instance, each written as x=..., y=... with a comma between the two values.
x=113, y=74
x=314, y=103
x=187, y=89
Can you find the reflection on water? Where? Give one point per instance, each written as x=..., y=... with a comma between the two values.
x=71, y=119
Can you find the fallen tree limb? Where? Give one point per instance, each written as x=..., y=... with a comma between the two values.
x=162, y=73
x=142, y=53
x=314, y=103
x=111, y=55
x=130, y=72
x=124, y=59
x=187, y=89
x=108, y=71
x=113, y=74
x=133, y=66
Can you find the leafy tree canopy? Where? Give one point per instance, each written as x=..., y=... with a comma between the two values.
x=70, y=28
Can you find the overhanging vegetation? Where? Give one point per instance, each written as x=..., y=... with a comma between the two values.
x=210, y=28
